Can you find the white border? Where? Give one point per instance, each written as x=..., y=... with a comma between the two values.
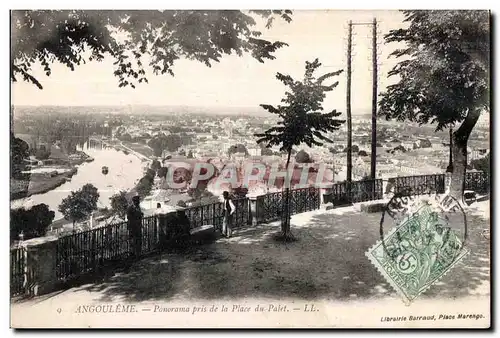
x=311, y=4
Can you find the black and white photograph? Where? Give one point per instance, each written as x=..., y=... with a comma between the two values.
x=287, y=168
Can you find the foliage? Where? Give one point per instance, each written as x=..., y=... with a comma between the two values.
x=445, y=71
x=150, y=174
x=119, y=204
x=80, y=204
x=32, y=222
x=170, y=143
x=201, y=186
x=75, y=37
x=303, y=157
x=362, y=153
x=162, y=172
x=482, y=164
x=443, y=77
x=190, y=154
x=354, y=149
x=155, y=165
x=126, y=137
x=182, y=152
x=237, y=148
x=302, y=120
x=144, y=186
x=42, y=153
x=266, y=152
x=19, y=149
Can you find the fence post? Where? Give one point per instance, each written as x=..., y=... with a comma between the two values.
x=447, y=183
x=41, y=262
x=253, y=215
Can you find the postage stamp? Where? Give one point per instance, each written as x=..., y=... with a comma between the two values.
x=420, y=250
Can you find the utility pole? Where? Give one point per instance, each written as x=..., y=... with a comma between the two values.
x=348, y=101
x=374, y=102
x=449, y=169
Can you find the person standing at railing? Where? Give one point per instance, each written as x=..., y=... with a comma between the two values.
x=134, y=219
x=229, y=209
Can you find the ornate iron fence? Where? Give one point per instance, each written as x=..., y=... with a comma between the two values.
x=418, y=185
x=477, y=181
x=303, y=200
x=358, y=191
x=270, y=207
x=213, y=214
x=366, y=190
x=85, y=251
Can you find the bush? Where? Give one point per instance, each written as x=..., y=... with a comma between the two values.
x=302, y=157
x=32, y=223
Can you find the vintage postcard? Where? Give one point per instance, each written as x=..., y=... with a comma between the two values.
x=250, y=169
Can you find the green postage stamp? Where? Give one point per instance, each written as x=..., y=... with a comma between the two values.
x=417, y=253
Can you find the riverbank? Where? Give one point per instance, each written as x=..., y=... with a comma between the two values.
x=38, y=184
x=140, y=148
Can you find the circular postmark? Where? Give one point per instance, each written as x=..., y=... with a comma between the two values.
x=427, y=228
x=427, y=237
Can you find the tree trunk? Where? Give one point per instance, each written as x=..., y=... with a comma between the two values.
x=459, y=154
x=285, y=219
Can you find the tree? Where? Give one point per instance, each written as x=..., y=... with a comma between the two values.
x=190, y=154
x=126, y=137
x=73, y=37
x=31, y=223
x=302, y=157
x=150, y=174
x=355, y=149
x=237, y=148
x=19, y=150
x=266, y=152
x=482, y=164
x=165, y=142
x=143, y=188
x=80, y=204
x=42, y=153
x=155, y=165
x=162, y=172
x=119, y=204
x=182, y=152
x=301, y=121
x=443, y=77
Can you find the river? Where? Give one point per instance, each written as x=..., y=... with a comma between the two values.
x=124, y=171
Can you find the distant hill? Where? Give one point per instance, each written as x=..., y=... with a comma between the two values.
x=144, y=109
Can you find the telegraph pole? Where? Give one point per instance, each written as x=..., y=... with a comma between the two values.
x=374, y=102
x=348, y=101
x=449, y=169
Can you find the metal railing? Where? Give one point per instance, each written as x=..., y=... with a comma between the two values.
x=354, y=192
x=269, y=207
x=87, y=251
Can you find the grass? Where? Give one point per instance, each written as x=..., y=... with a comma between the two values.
x=140, y=148
x=37, y=184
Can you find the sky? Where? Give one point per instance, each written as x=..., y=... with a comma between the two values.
x=236, y=81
